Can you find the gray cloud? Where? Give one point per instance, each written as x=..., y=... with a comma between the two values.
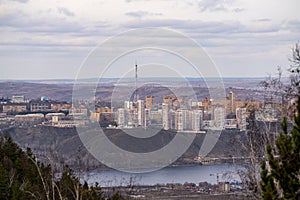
x=218, y=5
x=242, y=38
x=49, y=23
x=191, y=25
x=214, y=5
x=65, y=11
x=21, y=1
x=263, y=20
x=40, y=26
x=199, y=26
x=17, y=19
x=129, y=1
x=237, y=10
x=293, y=25
x=52, y=32
x=140, y=14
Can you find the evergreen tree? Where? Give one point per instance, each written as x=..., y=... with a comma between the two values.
x=280, y=176
x=23, y=177
x=3, y=183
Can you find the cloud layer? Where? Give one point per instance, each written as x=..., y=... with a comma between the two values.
x=237, y=35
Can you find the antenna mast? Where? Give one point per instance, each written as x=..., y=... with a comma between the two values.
x=136, y=77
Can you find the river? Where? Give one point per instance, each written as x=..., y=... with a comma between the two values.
x=192, y=174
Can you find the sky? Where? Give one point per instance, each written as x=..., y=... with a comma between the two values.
x=41, y=39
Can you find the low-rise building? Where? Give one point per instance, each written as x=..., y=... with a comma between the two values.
x=6, y=120
x=29, y=119
x=60, y=106
x=49, y=116
x=231, y=122
x=18, y=99
x=39, y=106
x=14, y=108
x=66, y=122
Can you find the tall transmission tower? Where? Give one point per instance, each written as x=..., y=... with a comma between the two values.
x=136, y=86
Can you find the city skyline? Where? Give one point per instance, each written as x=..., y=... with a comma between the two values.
x=50, y=41
x=176, y=113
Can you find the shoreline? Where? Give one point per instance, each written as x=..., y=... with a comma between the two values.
x=105, y=169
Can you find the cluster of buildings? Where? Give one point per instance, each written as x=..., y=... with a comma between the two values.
x=170, y=114
x=18, y=111
x=180, y=114
x=18, y=104
x=175, y=113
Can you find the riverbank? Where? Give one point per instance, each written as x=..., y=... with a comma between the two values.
x=180, y=191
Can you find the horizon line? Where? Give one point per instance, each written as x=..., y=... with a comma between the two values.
x=71, y=79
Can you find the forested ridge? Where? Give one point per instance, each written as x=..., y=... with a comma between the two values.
x=22, y=176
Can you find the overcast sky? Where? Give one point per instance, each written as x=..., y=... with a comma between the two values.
x=42, y=39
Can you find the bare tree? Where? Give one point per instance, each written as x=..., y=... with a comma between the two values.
x=278, y=90
x=45, y=186
x=293, y=88
x=256, y=140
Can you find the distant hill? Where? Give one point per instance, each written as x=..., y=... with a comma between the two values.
x=62, y=89
x=36, y=90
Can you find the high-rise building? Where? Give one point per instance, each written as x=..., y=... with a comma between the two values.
x=121, y=117
x=165, y=116
x=183, y=120
x=128, y=105
x=147, y=117
x=141, y=113
x=149, y=102
x=179, y=120
x=131, y=105
x=188, y=119
x=167, y=100
x=219, y=117
x=172, y=119
x=175, y=102
x=206, y=103
x=131, y=117
x=197, y=120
